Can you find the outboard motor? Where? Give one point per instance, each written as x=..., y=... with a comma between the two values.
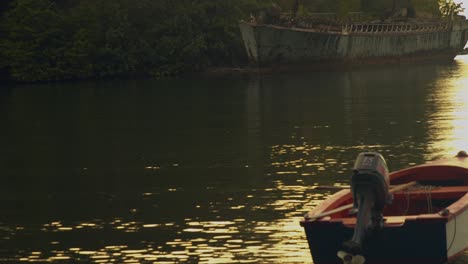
x=370, y=189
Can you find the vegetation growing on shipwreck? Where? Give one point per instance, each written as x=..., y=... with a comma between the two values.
x=44, y=40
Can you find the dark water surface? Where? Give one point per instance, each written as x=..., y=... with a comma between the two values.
x=206, y=170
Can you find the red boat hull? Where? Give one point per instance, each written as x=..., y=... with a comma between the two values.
x=418, y=235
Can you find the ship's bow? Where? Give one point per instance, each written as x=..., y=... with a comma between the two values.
x=250, y=42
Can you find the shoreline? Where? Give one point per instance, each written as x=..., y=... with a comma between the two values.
x=250, y=70
x=325, y=66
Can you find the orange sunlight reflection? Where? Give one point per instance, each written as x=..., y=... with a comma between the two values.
x=454, y=111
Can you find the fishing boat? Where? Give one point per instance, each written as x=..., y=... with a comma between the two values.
x=414, y=215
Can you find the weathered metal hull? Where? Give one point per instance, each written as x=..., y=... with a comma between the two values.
x=269, y=45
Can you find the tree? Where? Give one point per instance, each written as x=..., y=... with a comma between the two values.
x=71, y=39
x=448, y=8
x=4, y=5
x=34, y=40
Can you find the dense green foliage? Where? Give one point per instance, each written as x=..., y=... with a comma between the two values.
x=42, y=40
x=449, y=8
x=78, y=39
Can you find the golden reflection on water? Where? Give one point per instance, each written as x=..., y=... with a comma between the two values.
x=449, y=124
x=258, y=240
x=213, y=241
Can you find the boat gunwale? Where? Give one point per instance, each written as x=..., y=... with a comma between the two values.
x=458, y=164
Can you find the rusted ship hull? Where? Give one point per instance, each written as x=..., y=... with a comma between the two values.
x=270, y=45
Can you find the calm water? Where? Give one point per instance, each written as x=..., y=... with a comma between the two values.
x=206, y=170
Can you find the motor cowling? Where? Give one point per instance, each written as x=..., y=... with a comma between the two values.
x=370, y=189
x=371, y=172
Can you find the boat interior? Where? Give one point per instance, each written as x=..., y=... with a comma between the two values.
x=426, y=197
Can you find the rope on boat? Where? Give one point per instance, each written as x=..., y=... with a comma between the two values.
x=454, y=230
x=427, y=190
x=407, y=193
x=394, y=189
